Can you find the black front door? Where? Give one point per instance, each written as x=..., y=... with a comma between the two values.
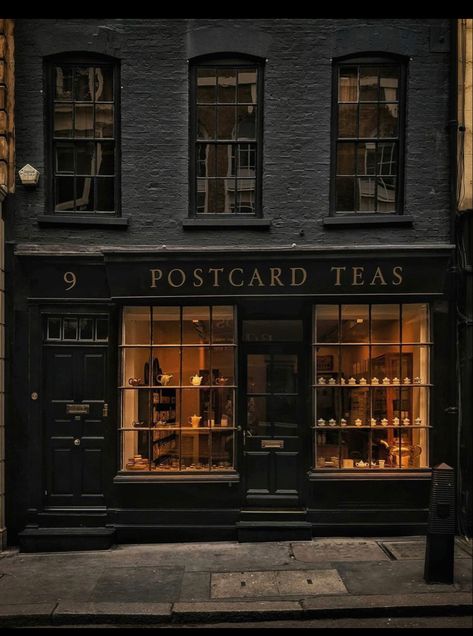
x=273, y=432
x=75, y=423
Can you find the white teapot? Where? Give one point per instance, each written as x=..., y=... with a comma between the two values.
x=196, y=379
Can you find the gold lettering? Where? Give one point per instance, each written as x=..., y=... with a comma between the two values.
x=357, y=274
x=338, y=270
x=293, y=276
x=230, y=277
x=216, y=271
x=156, y=274
x=275, y=276
x=183, y=278
x=378, y=274
x=198, y=276
x=256, y=274
x=397, y=273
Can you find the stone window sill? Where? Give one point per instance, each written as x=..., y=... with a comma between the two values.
x=64, y=220
x=365, y=220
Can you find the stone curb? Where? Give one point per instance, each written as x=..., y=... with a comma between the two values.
x=70, y=613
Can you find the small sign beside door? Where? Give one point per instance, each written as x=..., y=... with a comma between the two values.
x=77, y=409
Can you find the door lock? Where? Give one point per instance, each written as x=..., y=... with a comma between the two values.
x=77, y=442
x=105, y=410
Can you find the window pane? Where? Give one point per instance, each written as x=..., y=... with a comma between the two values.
x=136, y=367
x=225, y=160
x=258, y=420
x=326, y=323
x=70, y=329
x=247, y=86
x=355, y=445
x=346, y=158
x=166, y=362
x=224, y=195
x=226, y=124
x=223, y=366
x=355, y=365
x=106, y=158
x=385, y=323
x=328, y=451
x=259, y=373
x=104, y=120
x=136, y=450
x=366, y=194
x=63, y=120
x=354, y=323
x=327, y=407
x=223, y=325
x=345, y=194
x=63, y=82
x=246, y=192
x=348, y=84
x=195, y=325
x=387, y=158
x=347, y=115
x=366, y=158
x=368, y=120
x=105, y=194
x=136, y=325
x=166, y=325
x=84, y=120
x=84, y=193
x=246, y=117
x=415, y=325
x=165, y=451
x=368, y=83
x=85, y=158
x=86, y=328
x=54, y=329
x=222, y=451
x=206, y=84
x=64, y=158
x=388, y=120
x=246, y=159
x=102, y=329
x=226, y=91
x=386, y=193
x=64, y=193
x=104, y=84
x=206, y=122
x=195, y=451
x=389, y=83
x=84, y=84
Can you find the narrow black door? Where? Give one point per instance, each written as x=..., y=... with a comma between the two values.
x=75, y=422
x=272, y=435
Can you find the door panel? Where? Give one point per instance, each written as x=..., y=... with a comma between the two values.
x=75, y=380
x=274, y=422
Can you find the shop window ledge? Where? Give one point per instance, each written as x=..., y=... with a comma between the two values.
x=132, y=478
x=369, y=475
x=65, y=220
x=365, y=220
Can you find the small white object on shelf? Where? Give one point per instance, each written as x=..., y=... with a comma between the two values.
x=358, y=422
x=343, y=422
x=342, y=380
x=417, y=380
x=373, y=422
x=362, y=380
x=418, y=421
x=332, y=422
x=396, y=421
x=351, y=381
x=406, y=381
x=395, y=380
x=332, y=381
x=374, y=380
x=321, y=422
x=386, y=381
x=406, y=421
x=384, y=422
x=321, y=380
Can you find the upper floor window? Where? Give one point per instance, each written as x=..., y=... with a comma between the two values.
x=368, y=136
x=83, y=139
x=226, y=137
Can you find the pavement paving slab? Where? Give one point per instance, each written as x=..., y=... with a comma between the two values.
x=74, y=613
x=404, y=550
x=138, y=584
x=338, y=550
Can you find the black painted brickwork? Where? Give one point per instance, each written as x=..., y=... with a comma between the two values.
x=154, y=96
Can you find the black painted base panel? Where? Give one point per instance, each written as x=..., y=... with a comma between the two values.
x=65, y=539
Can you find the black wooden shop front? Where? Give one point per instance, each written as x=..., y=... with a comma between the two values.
x=191, y=395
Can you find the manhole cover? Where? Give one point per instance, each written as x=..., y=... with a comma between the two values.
x=411, y=550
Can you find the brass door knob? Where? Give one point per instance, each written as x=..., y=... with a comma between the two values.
x=77, y=442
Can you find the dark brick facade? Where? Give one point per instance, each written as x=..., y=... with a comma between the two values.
x=154, y=56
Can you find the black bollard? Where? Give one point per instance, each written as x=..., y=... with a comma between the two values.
x=439, y=550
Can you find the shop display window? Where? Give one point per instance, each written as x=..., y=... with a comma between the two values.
x=371, y=386
x=178, y=387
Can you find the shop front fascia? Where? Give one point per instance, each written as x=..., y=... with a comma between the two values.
x=170, y=395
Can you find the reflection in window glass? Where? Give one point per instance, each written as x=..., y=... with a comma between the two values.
x=377, y=397
x=182, y=388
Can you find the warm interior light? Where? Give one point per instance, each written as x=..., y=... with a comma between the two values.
x=359, y=320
